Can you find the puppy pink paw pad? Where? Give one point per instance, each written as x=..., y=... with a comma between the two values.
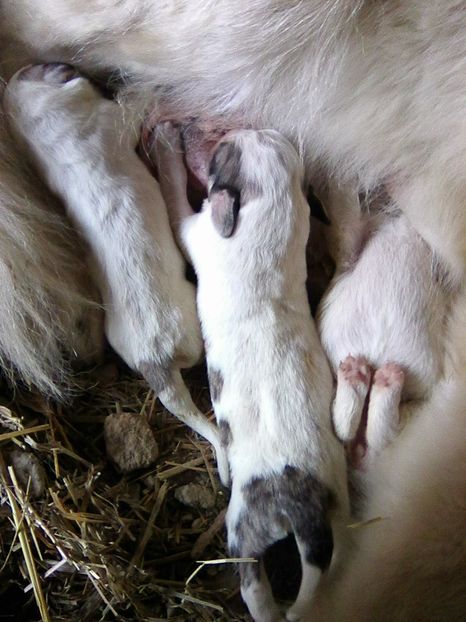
x=52, y=73
x=389, y=375
x=355, y=370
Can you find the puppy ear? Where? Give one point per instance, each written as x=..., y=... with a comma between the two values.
x=225, y=207
x=225, y=191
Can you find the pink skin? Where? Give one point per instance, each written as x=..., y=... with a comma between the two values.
x=356, y=371
x=199, y=139
x=379, y=419
x=388, y=375
x=199, y=142
x=353, y=382
x=353, y=385
x=199, y=136
x=54, y=73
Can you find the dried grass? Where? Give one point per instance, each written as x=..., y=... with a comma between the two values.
x=101, y=546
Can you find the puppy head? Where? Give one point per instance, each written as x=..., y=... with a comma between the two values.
x=252, y=169
x=254, y=223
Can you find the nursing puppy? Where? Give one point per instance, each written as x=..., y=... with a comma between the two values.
x=270, y=383
x=88, y=159
x=383, y=321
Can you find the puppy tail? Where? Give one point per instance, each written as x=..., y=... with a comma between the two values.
x=174, y=395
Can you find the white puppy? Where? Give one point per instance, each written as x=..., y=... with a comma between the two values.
x=78, y=141
x=270, y=383
x=383, y=320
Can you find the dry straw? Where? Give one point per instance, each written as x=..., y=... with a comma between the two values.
x=97, y=545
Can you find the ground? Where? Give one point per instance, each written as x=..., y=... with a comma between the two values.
x=99, y=545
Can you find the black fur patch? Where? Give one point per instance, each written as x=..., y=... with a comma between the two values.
x=282, y=565
x=225, y=168
x=155, y=376
x=225, y=433
x=225, y=209
x=215, y=383
x=225, y=193
x=293, y=501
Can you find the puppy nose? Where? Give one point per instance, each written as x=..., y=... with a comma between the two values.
x=52, y=73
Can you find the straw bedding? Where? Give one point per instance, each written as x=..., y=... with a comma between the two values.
x=96, y=544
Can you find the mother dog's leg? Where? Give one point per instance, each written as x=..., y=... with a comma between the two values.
x=50, y=317
x=435, y=203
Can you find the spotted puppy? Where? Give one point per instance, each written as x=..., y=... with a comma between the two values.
x=270, y=382
x=79, y=142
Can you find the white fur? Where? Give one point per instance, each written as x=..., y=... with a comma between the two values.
x=50, y=316
x=409, y=563
x=375, y=89
x=276, y=383
x=388, y=303
x=78, y=140
x=378, y=88
x=372, y=90
x=389, y=307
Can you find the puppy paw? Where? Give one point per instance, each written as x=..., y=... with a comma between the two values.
x=353, y=382
x=52, y=73
x=383, y=419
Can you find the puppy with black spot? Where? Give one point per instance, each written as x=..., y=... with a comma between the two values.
x=271, y=384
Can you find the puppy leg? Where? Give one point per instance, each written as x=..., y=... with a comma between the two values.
x=252, y=528
x=383, y=418
x=165, y=150
x=353, y=380
x=311, y=575
x=174, y=395
x=257, y=593
x=314, y=538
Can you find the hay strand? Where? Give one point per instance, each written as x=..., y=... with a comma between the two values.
x=21, y=532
